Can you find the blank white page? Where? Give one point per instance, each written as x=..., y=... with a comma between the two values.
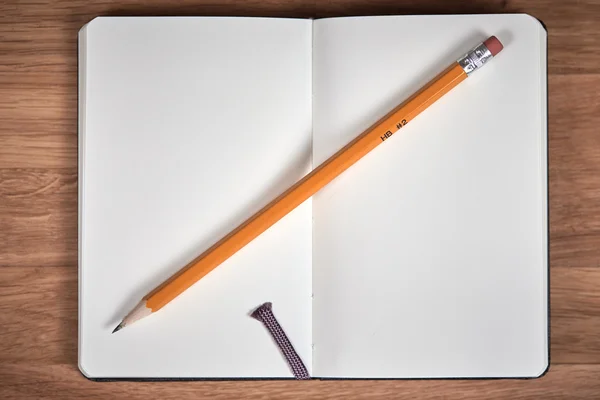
x=430, y=254
x=187, y=127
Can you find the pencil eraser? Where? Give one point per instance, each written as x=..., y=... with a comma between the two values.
x=493, y=45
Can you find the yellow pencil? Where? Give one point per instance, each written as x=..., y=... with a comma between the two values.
x=314, y=181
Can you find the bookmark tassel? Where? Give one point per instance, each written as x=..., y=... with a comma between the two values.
x=265, y=315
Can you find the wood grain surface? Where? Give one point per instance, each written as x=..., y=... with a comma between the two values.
x=38, y=203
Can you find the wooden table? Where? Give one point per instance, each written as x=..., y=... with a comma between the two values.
x=38, y=202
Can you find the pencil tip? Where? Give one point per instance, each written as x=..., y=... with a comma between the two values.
x=118, y=328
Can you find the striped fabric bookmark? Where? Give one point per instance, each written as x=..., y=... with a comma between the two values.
x=264, y=314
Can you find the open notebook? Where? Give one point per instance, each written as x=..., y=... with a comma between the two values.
x=427, y=259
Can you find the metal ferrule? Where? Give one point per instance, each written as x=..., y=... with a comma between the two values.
x=475, y=59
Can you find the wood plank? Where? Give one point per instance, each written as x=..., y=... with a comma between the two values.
x=39, y=151
x=575, y=251
x=38, y=314
x=39, y=127
x=575, y=315
x=38, y=216
x=46, y=103
x=64, y=382
x=574, y=156
x=35, y=28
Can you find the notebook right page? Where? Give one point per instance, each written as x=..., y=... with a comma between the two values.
x=430, y=255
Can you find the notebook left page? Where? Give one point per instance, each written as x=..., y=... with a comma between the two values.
x=187, y=127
